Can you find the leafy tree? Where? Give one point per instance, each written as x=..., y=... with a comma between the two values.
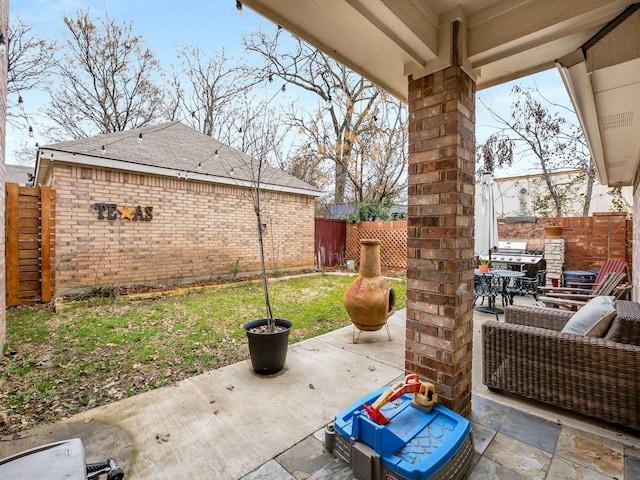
x=370, y=211
x=106, y=80
x=533, y=131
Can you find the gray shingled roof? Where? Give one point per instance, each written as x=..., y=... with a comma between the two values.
x=18, y=174
x=180, y=148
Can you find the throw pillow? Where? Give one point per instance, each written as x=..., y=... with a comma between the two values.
x=594, y=319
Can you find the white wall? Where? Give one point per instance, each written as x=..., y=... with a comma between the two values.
x=511, y=202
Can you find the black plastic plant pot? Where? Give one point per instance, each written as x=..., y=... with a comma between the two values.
x=268, y=351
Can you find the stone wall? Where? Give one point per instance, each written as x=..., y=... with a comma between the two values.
x=183, y=231
x=554, y=254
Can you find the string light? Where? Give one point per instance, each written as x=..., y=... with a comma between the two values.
x=104, y=149
x=199, y=165
x=284, y=88
x=216, y=153
x=140, y=138
x=238, y=5
x=20, y=103
x=30, y=131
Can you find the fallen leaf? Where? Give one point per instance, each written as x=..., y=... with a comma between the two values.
x=162, y=437
x=88, y=420
x=311, y=386
x=230, y=387
x=372, y=367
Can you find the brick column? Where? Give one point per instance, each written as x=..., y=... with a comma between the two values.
x=440, y=234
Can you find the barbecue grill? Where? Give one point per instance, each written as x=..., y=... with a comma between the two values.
x=516, y=256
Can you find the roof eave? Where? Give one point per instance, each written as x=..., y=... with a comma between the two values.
x=47, y=155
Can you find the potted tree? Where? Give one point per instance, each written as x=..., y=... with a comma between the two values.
x=268, y=337
x=261, y=136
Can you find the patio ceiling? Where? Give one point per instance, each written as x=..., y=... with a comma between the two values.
x=499, y=41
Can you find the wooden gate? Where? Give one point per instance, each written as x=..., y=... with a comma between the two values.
x=28, y=244
x=330, y=242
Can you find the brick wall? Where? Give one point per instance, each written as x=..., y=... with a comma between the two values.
x=4, y=20
x=198, y=230
x=589, y=240
x=592, y=240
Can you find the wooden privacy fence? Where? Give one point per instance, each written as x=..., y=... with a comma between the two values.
x=28, y=244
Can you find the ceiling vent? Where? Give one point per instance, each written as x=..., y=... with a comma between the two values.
x=618, y=120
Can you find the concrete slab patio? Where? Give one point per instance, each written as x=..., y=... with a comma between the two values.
x=232, y=424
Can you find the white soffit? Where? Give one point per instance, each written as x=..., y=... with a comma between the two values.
x=617, y=98
x=386, y=40
x=378, y=42
x=603, y=81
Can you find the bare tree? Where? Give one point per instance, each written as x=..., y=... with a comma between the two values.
x=29, y=58
x=106, y=80
x=381, y=174
x=534, y=132
x=261, y=138
x=348, y=106
x=203, y=90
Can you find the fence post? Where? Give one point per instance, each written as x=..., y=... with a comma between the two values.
x=45, y=244
x=12, y=224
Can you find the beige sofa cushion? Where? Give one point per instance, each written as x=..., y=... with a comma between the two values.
x=593, y=319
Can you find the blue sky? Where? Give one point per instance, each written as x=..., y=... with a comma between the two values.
x=214, y=25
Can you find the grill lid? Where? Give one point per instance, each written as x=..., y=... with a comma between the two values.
x=512, y=246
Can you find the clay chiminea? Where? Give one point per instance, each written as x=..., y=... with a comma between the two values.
x=369, y=300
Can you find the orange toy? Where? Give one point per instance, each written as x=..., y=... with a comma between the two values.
x=424, y=395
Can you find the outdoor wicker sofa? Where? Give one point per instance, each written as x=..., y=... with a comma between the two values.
x=595, y=376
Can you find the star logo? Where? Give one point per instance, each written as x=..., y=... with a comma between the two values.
x=125, y=213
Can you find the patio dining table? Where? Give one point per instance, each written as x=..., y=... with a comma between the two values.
x=504, y=277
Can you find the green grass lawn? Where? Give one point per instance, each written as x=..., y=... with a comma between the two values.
x=79, y=358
